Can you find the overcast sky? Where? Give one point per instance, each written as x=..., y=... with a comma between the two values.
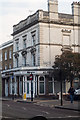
x=13, y=11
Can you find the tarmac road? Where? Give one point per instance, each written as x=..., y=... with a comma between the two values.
x=12, y=110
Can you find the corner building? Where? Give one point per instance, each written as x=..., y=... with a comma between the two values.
x=36, y=42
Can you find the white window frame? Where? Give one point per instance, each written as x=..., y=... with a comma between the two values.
x=5, y=55
x=10, y=66
x=39, y=85
x=24, y=43
x=24, y=60
x=1, y=57
x=6, y=67
x=17, y=62
x=33, y=34
x=10, y=54
x=17, y=45
x=33, y=59
x=52, y=86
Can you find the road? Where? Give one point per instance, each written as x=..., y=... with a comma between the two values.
x=12, y=110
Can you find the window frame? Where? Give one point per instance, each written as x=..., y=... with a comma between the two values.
x=39, y=85
x=17, y=45
x=6, y=55
x=10, y=54
x=33, y=59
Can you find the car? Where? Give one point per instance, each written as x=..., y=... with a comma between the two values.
x=77, y=91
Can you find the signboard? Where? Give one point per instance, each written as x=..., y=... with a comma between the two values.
x=31, y=76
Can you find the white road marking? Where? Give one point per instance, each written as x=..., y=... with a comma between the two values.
x=66, y=117
x=24, y=108
x=8, y=105
x=45, y=112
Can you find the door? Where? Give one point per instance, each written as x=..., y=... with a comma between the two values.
x=28, y=89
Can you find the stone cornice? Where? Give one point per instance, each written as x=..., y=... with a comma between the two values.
x=44, y=21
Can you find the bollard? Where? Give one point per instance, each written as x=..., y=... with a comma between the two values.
x=24, y=96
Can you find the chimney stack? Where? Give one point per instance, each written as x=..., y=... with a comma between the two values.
x=53, y=9
x=76, y=12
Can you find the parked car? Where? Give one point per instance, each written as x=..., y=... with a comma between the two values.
x=77, y=91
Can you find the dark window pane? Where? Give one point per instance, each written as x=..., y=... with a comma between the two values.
x=27, y=88
x=41, y=87
x=50, y=87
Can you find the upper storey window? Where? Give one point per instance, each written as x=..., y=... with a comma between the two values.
x=24, y=41
x=33, y=38
x=33, y=60
x=5, y=55
x=1, y=57
x=10, y=53
x=17, y=45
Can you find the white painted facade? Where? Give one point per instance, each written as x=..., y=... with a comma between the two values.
x=37, y=40
x=54, y=32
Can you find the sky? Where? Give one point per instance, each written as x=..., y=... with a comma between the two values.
x=13, y=11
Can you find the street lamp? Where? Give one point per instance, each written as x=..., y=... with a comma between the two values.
x=60, y=77
x=31, y=78
x=61, y=86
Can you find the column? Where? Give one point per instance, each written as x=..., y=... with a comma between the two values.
x=5, y=87
x=15, y=85
x=19, y=85
x=53, y=84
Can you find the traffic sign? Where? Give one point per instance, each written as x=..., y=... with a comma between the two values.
x=31, y=77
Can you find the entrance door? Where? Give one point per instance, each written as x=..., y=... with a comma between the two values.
x=28, y=89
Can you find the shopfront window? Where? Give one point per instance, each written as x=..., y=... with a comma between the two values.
x=50, y=85
x=41, y=85
x=20, y=86
x=27, y=88
x=24, y=85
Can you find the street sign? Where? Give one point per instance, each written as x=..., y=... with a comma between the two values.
x=31, y=76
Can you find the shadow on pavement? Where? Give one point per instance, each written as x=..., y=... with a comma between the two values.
x=38, y=118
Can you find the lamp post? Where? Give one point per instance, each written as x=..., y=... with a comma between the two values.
x=60, y=77
x=31, y=78
x=61, y=86
x=12, y=88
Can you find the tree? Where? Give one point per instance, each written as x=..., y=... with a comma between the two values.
x=69, y=65
x=66, y=66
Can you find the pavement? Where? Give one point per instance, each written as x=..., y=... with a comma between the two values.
x=50, y=103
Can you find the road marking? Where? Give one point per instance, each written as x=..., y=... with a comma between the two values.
x=8, y=105
x=5, y=117
x=65, y=117
x=24, y=108
x=45, y=112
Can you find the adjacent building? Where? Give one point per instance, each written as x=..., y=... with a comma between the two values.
x=36, y=42
x=7, y=65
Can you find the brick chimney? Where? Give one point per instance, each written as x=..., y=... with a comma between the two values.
x=76, y=12
x=53, y=9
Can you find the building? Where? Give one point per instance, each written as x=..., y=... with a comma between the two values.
x=0, y=58
x=0, y=71
x=36, y=42
x=7, y=65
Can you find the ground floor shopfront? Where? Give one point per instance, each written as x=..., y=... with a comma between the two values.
x=18, y=85
x=43, y=84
